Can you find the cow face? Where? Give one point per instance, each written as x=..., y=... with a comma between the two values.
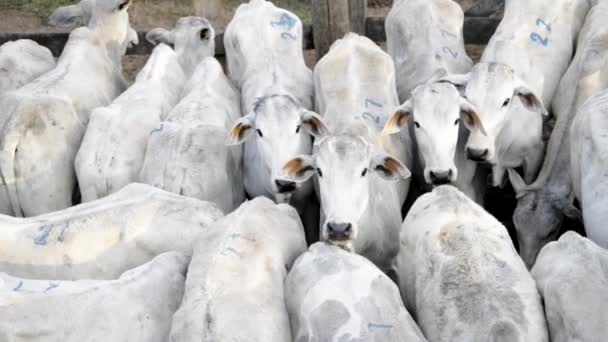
x=436, y=111
x=344, y=166
x=499, y=96
x=193, y=38
x=276, y=130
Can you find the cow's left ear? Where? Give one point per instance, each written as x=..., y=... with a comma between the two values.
x=399, y=119
x=160, y=35
x=241, y=131
x=299, y=169
x=313, y=124
x=66, y=16
x=132, y=37
x=389, y=168
x=571, y=212
x=530, y=100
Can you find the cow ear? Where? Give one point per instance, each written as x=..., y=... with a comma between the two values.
x=314, y=125
x=66, y=16
x=468, y=116
x=160, y=35
x=241, y=131
x=530, y=100
x=518, y=183
x=571, y=212
x=399, y=119
x=206, y=34
x=132, y=37
x=299, y=169
x=389, y=168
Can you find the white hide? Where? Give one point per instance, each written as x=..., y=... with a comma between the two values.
x=43, y=122
x=22, y=61
x=266, y=62
x=516, y=80
x=355, y=94
x=333, y=295
x=424, y=37
x=102, y=239
x=588, y=160
x=136, y=307
x=187, y=154
x=234, y=289
x=461, y=277
x=572, y=276
x=113, y=148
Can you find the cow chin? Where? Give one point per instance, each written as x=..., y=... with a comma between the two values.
x=284, y=198
x=346, y=245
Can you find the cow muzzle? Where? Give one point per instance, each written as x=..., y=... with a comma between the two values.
x=478, y=155
x=441, y=177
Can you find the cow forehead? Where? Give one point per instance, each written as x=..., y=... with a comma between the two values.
x=276, y=108
x=188, y=22
x=490, y=83
x=436, y=101
x=344, y=149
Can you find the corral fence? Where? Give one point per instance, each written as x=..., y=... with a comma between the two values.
x=331, y=20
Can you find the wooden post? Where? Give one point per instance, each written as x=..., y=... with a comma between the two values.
x=358, y=13
x=330, y=22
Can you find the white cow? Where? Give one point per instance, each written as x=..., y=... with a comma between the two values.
x=187, y=154
x=424, y=37
x=43, y=122
x=102, y=239
x=542, y=205
x=333, y=295
x=234, y=291
x=518, y=75
x=588, y=160
x=571, y=275
x=136, y=307
x=113, y=148
x=360, y=209
x=22, y=61
x=265, y=59
x=460, y=274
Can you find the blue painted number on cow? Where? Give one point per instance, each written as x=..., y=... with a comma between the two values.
x=535, y=37
x=286, y=20
x=446, y=33
x=369, y=116
x=288, y=36
x=449, y=51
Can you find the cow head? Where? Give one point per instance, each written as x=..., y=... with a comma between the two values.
x=192, y=37
x=436, y=111
x=538, y=218
x=276, y=130
x=344, y=166
x=109, y=17
x=499, y=96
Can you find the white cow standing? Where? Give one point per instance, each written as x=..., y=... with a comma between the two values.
x=333, y=295
x=425, y=39
x=572, y=275
x=136, y=307
x=361, y=187
x=517, y=77
x=22, y=61
x=265, y=60
x=234, y=291
x=461, y=277
x=114, y=146
x=103, y=238
x=187, y=154
x=542, y=205
x=42, y=123
x=588, y=160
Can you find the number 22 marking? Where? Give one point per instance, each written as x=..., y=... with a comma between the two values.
x=452, y=53
x=535, y=37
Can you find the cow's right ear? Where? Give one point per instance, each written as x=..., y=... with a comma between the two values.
x=519, y=186
x=299, y=169
x=160, y=35
x=399, y=119
x=241, y=131
x=314, y=124
x=66, y=16
x=468, y=116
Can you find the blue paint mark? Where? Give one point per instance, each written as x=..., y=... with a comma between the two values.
x=535, y=37
x=449, y=51
x=44, y=237
x=547, y=26
x=239, y=236
x=61, y=236
x=51, y=286
x=369, y=116
x=379, y=326
x=233, y=251
x=369, y=102
x=286, y=20
x=446, y=33
x=18, y=287
x=158, y=130
x=288, y=36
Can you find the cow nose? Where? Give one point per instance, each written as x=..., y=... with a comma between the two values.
x=441, y=177
x=285, y=186
x=339, y=231
x=477, y=155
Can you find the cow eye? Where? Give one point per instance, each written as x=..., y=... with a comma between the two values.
x=456, y=122
x=298, y=129
x=417, y=124
x=319, y=172
x=506, y=103
x=364, y=173
x=259, y=133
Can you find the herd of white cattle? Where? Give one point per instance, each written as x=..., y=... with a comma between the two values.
x=126, y=211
